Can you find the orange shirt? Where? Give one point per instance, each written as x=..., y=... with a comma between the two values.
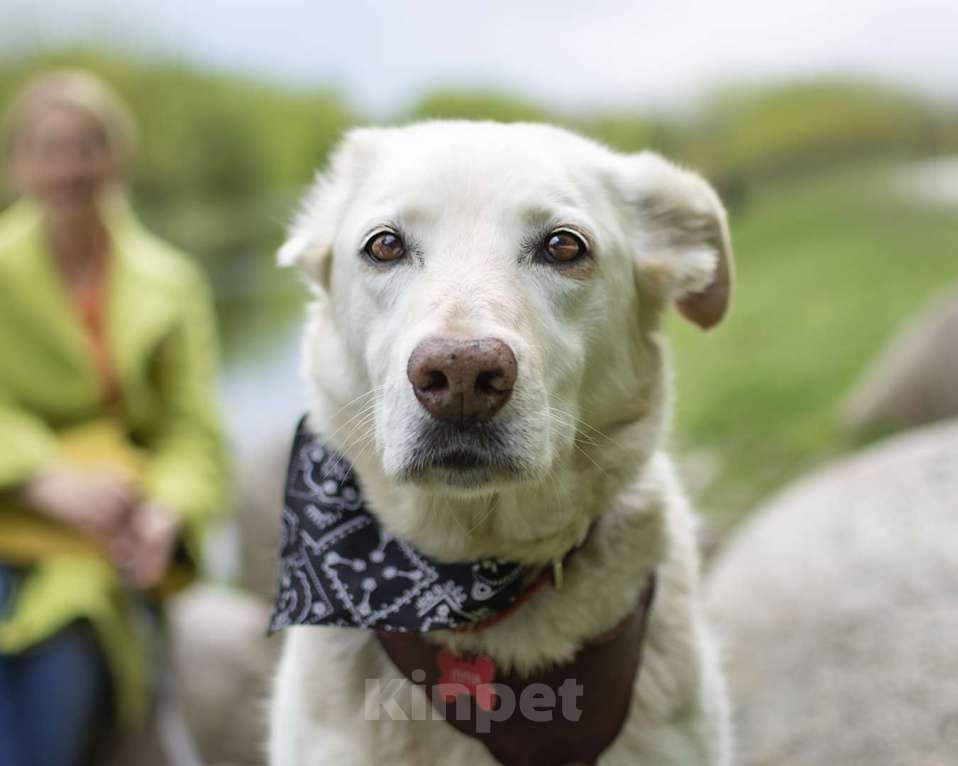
x=90, y=302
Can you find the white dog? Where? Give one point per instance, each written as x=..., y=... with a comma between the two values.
x=485, y=349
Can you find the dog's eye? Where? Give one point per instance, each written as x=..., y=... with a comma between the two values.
x=385, y=247
x=563, y=247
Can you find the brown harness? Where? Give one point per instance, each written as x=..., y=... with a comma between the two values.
x=571, y=733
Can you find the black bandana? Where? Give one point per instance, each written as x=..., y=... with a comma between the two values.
x=340, y=567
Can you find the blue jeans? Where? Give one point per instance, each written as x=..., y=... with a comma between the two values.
x=55, y=698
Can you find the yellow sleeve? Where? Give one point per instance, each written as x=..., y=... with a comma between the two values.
x=186, y=467
x=26, y=445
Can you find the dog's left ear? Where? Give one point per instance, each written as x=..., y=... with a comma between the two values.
x=313, y=234
x=683, y=252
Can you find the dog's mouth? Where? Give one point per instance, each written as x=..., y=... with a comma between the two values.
x=462, y=458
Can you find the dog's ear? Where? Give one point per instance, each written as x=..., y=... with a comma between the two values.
x=309, y=246
x=682, y=252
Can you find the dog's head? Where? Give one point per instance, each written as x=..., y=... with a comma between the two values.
x=487, y=304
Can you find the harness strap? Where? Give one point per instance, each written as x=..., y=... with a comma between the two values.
x=590, y=695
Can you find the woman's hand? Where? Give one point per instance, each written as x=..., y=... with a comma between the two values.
x=150, y=539
x=98, y=503
x=138, y=536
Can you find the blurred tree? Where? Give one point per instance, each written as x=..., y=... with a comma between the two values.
x=451, y=104
x=762, y=132
x=630, y=132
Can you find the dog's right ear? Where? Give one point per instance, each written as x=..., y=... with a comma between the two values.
x=309, y=246
x=682, y=251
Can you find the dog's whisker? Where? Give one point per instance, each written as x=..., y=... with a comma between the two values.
x=350, y=424
x=483, y=516
x=579, y=423
x=354, y=437
x=358, y=431
x=372, y=391
x=582, y=425
x=589, y=457
x=575, y=442
x=363, y=412
x=364, y=400
x=576, y=434
x=351, y=465
x=368, y=445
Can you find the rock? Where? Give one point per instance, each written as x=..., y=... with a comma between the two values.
x=223, y=663
x=933, y=181
x=915, y=380
x=838, y=609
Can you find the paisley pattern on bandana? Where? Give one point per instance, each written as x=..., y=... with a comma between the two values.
x=340, y=567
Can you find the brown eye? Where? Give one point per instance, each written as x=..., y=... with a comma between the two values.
x=564, y=247
x=386, y=247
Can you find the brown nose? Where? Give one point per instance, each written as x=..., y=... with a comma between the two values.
x=462, y=381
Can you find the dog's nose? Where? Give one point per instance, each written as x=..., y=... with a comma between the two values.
x=462, y=381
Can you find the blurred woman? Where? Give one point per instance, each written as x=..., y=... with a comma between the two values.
x=110, y=449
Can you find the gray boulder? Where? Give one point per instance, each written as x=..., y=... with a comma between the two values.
x=914, y=381
x=838, y=609
x=223, y=664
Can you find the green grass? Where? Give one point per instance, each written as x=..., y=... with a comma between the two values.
x=827, y=269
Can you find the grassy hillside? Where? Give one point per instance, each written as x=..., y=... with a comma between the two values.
x=828, y=266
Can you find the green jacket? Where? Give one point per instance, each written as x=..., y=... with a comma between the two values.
x=162, y=342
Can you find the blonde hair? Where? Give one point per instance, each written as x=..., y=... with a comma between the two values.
x=73, y=89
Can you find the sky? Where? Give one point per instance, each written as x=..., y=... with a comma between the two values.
x=567, y=54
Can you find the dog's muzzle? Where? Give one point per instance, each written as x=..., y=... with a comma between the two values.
x=462, y=384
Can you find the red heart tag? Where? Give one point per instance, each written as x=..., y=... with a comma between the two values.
x=458, y=675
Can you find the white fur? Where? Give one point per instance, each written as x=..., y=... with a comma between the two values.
x=585, y=420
